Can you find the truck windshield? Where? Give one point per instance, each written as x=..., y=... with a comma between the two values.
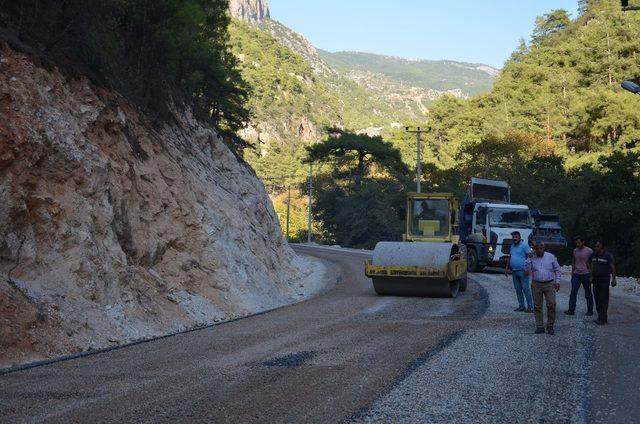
x=510, y=218
x=547, y=221
x=430, y=217
x=548, y=224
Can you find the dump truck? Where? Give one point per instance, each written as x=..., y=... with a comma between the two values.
x=548, y=230
x=487, y=219
x=430, y=261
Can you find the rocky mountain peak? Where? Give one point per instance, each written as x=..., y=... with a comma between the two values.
x=250, y=11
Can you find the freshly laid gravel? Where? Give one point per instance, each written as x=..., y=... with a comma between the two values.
x=628, y=285
x=498, y=372
x=349, y=355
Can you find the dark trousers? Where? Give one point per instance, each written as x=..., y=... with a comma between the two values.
x=601, y=296
x=577, y=281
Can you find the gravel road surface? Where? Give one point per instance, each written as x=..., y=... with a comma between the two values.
x=351, y=356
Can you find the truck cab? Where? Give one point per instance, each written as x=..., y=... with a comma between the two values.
x=548, y=230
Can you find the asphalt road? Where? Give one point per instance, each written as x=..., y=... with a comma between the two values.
x=351, y=356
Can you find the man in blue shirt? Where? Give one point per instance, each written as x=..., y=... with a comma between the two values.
x=519, y=254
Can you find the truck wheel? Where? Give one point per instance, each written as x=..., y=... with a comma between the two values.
x=472, y=261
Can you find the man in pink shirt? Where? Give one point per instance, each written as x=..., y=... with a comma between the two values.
x=580, y=276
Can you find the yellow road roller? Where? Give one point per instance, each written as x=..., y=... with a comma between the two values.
x=430, y=261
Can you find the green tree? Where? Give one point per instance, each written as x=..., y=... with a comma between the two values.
x=549, y=24
x=356, y=156
x=610, y=207
x=359, y=196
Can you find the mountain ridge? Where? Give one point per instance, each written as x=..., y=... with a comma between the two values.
x=474, y=78
x=441, y=75
x=490, y=69
x=299, y=91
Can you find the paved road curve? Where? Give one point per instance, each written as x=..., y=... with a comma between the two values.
x=350, y=356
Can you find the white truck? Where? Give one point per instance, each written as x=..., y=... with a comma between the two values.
x=487, y=219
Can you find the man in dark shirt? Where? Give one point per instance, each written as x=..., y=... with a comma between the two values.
x=603, y=273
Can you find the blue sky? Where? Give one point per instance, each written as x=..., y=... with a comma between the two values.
x=482, y=31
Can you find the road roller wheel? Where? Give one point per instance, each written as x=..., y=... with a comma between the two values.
x=463, y=284
x=380, y=287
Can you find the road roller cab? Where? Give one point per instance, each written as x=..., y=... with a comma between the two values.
x=430, y=261
x=431, y=217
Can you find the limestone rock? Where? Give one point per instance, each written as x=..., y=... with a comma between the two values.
x=116, y=228
x=251, y=11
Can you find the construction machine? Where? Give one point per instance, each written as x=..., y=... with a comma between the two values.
x=430, y=261
x=487, y=220
x=548, y=230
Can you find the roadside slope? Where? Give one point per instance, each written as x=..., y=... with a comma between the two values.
x=115, y=228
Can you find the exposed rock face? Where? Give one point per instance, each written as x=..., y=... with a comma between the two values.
x=307, y=131
x=249, y=10
x=298, y=44
x=114, y=228
x=413, y=99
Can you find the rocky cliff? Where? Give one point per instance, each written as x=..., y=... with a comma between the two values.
x=250, y=11
x=115, y=228
x=298, y=44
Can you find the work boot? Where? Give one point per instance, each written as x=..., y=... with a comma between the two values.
x=539, y=330
x=529, y=311
x=551, y=331
x=569, y=313
x=589, y=314
x=520, y=309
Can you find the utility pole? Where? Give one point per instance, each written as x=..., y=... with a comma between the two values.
x=288, y=209
x=310, y=189
x=418, y=132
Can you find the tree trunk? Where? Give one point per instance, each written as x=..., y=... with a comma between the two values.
x=360, y=169
x=609, y=70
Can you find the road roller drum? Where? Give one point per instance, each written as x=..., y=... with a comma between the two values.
x=417, y=269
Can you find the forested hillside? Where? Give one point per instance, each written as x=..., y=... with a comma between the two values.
x=293, y=100
x=158, y=55
x=562, y=87
x=295, y=96
x=556, y=124
x=441, y=75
